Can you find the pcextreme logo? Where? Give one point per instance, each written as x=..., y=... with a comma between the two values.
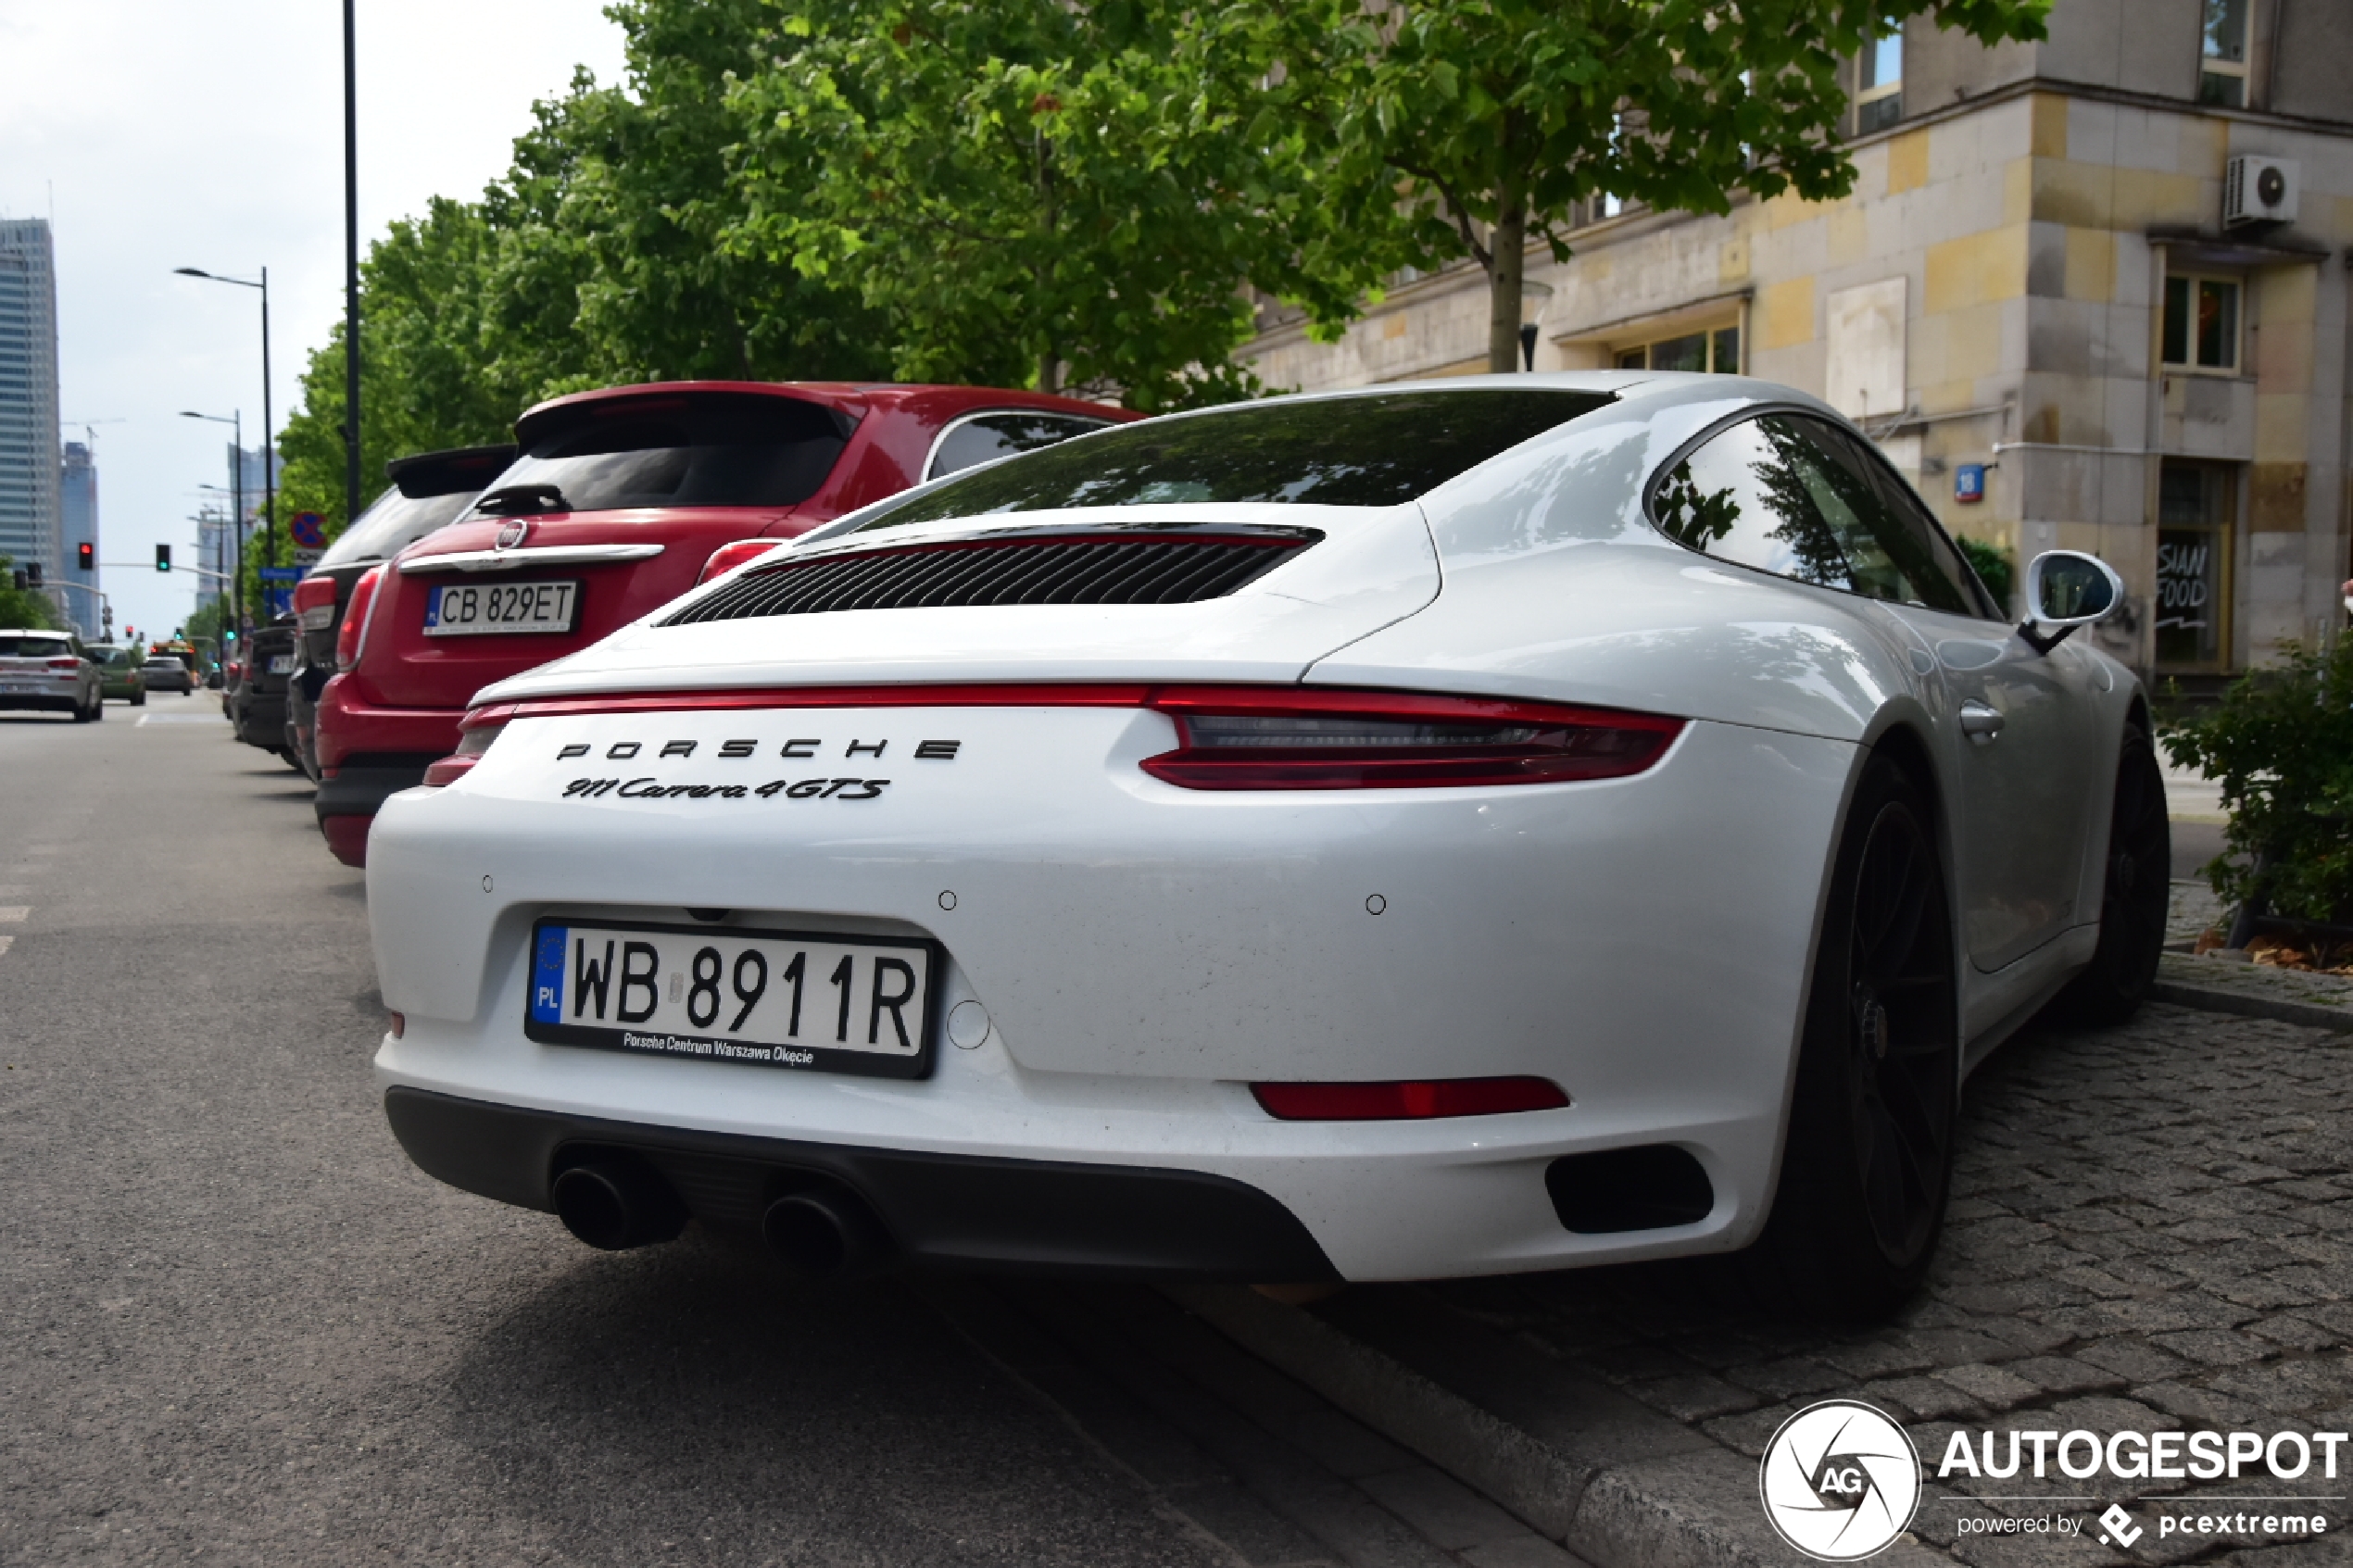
x=1840, y=1481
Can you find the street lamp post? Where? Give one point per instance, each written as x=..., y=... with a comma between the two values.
x=268, y=468
x=237, y=480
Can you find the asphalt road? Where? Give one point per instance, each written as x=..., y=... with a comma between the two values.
x=236, y=1325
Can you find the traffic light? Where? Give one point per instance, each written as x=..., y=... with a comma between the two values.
x=163, y=558
x=17, y=580
x=86, y=556
x=33, y=575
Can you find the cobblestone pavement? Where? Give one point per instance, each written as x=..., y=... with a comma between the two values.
x=2152, y=1229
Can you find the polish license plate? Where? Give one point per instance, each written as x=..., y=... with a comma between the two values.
x=280, y=664
x=472, y=610
x=22, y=688
x=814, y=1001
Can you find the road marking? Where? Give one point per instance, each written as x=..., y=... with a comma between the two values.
x=13, y=912
x=7, y=943
x=180, y=718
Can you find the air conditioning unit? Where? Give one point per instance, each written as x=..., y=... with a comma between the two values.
x=2260, y=190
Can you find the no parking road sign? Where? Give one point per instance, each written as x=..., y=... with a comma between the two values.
x=309, y=531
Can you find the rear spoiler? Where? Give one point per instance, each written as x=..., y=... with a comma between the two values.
x=460, y=470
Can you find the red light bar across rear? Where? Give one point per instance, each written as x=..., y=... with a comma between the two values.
x=1256, y=737
x=1409, y=1101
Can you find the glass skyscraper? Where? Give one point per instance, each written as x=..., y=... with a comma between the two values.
x=29, y=462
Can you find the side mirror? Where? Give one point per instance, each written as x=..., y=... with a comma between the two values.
x=2066, y=589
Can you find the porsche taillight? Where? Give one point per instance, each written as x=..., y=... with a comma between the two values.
x=1407, y=1101
x=727, y=558
x=1245, y=737
x=351, y=639
x=476, y=733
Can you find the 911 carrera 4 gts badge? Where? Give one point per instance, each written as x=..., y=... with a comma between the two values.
x=790, y=789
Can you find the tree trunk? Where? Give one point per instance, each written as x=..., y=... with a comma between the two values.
x=1507, y=266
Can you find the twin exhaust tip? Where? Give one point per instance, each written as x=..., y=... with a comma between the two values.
x=819, y=1232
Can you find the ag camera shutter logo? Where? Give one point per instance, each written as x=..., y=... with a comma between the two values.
x=1840, y=1481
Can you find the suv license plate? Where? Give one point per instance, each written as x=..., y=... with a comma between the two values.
x=469, y=609
x=815, y=1001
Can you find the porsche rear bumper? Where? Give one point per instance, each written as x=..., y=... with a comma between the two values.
x=1144, y=953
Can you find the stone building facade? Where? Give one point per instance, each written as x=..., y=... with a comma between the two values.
x=2033, y=299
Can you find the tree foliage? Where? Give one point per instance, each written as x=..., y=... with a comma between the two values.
x=595, y=260
x=24, y=608
x=1070, y=197
x=1496, y=117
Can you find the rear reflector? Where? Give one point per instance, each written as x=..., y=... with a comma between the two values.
x=1300, y=738
x=347, y=838
x=1410, y=1100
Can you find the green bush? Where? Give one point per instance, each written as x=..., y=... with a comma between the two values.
x=2280, y=745
x=1992, y=564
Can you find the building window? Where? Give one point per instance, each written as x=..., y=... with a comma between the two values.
x=1717, y=350
x=1879, y=85
x=2221, y=77
x=2194, y=507
x=2202, y=323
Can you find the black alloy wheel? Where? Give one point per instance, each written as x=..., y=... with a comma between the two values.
x=1902, y=1048
x=2137, y=896
x=1867, y=1161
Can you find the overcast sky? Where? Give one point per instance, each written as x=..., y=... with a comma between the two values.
x=159, y=135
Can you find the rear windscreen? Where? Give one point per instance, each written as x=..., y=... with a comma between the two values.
x=1373, y=451
x=394, y=523
x=35, y=647
x=750, y=451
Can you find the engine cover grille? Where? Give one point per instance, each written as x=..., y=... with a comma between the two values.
x=1064, y=568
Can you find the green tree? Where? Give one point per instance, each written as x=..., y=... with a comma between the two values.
x=1069, y=197
x=24, y=607
x=595, y=261
x=1495, y=119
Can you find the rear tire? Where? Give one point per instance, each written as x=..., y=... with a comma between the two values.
x=138, y=699
x=1867, y=1163
x=2135, y=898
x=83, y=715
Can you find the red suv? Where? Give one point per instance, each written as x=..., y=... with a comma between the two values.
x=614, y=504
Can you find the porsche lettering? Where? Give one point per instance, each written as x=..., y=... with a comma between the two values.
x=803, y=748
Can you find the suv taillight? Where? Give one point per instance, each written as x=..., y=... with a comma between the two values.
x=728, y=557
x=352, y=640
x=314, y=603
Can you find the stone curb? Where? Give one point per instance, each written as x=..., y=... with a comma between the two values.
x=1613, y=1480
x=2213, y=999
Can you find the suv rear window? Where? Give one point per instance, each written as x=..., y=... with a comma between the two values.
x=1372, y=451
x=35, y=647
x=707, y=451
x=394, y=522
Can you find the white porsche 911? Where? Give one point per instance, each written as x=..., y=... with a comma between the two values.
x=1510, y=824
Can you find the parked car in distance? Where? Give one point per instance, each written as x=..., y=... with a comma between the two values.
x=429, y=492
x=118, y=672
x=617, y=503
x=257, y=702
x=163, y=672
x=50, y=672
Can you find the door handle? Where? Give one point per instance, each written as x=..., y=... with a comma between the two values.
x=1980, y=722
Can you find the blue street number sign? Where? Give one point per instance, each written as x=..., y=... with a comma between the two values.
x=1969, y=482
